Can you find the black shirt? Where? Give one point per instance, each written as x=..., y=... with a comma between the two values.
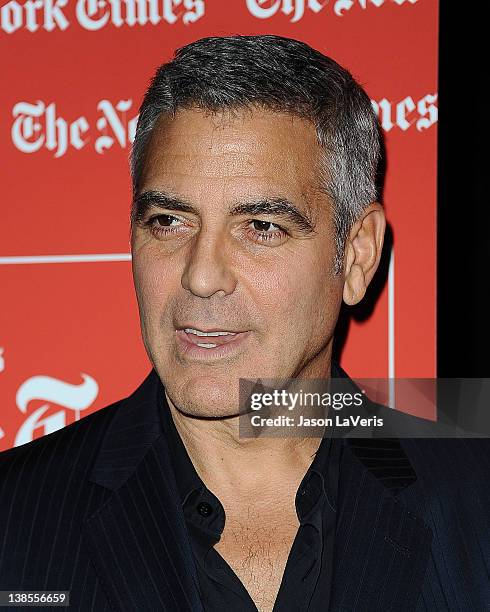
x=307, y=577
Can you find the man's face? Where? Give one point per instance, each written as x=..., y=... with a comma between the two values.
x=218, y=247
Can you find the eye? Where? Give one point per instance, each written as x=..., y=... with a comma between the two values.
x=262, y=233
x=161, y=225
x=164, y=220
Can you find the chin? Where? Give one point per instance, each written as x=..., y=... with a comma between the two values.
x=205, y=396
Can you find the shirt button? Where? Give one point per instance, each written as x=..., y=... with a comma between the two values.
x=204, y=509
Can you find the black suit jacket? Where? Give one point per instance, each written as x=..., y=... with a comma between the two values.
x=93, y=508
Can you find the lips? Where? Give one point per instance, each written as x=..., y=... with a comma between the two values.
x=209, y=349
x=219, y=340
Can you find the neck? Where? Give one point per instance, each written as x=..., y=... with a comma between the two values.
x=233, y=466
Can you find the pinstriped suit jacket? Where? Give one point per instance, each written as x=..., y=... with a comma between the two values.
x=93, y=509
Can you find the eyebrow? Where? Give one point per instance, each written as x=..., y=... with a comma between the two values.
x=277, y=207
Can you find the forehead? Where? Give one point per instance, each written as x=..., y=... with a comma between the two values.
x=246, y=148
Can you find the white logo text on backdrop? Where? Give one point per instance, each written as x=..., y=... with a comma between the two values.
x=39, y=125
x=295, y=9
x=93, y=15
x=59, y=392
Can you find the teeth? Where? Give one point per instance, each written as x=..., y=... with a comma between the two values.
x=206, y=345
x=189, y=330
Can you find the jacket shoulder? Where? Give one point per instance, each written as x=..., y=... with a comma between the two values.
x=441, y=455
x=440, y=451
x=73, y=448
x=462, y=461
x=76, y=443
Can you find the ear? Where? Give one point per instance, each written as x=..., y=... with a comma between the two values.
x=363, y=252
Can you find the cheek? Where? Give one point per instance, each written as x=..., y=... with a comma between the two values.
x=153, y=282
x=309, y=304
x=297, y=290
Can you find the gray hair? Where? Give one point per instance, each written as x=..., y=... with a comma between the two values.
x=281, y=74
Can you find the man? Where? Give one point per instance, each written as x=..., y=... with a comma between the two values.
x=254, y=216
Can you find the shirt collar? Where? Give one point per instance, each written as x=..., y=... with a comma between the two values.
x=185, y=472
x=320, y=482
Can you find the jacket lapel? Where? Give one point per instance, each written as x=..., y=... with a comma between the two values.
x=137, y=540
x=381, y=548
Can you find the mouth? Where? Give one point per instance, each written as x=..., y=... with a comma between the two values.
x=209, y=344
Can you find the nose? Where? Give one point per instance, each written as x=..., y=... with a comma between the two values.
x=208, y=268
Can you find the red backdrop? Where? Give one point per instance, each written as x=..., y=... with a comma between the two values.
x=77, y=71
